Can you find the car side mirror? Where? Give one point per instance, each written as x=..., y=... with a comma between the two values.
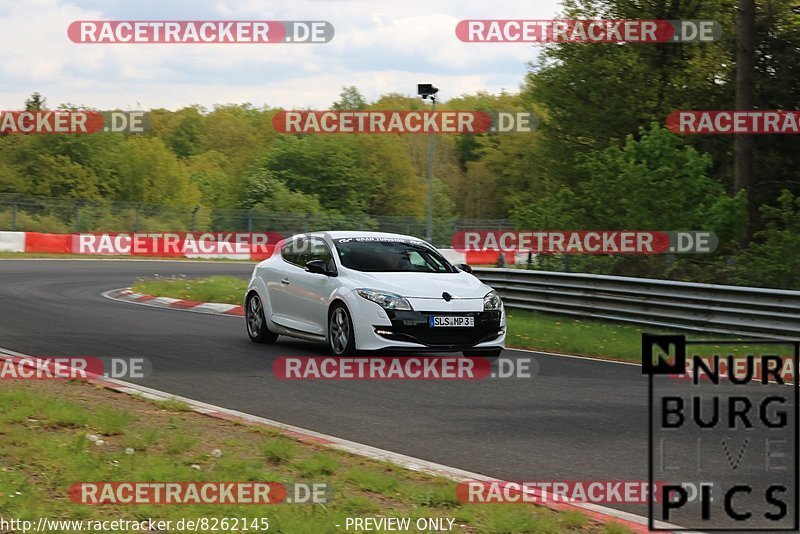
x=317, y=266
x=464, y=267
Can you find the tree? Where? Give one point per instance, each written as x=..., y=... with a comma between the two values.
x=654, y=181
x=185, y=139
x=353, y=174
x=743, y=144
x=36, y=102
x=657, y=182
x=596, y=95
x=207, y=172
x=773, y=259
x=150, y=173
x=350, y=98
x=265, y=191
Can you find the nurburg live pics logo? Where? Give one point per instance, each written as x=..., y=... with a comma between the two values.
x=731, y=430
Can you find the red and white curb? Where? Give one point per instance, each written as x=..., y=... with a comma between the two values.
x=601, y=514
x=214, y=308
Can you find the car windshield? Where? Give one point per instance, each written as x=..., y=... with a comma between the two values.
x=375, y=254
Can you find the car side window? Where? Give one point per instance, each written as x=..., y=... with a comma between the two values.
x=291, y=251
x=303, y=250
x=417, y=260
x=322, y=252
x=318, y=250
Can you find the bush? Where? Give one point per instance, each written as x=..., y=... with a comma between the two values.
x=773, y=259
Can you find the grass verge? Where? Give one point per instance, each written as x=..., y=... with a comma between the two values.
x=45, y=448
x=224, y=289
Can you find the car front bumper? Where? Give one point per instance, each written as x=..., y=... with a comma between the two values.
x=410, y=331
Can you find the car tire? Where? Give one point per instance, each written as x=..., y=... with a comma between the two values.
x=256, y=323
x=341, y=335
x=490, y=354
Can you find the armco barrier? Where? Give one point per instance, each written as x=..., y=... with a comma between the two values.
x=748, y=311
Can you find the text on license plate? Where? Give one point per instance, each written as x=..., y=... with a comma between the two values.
x=449, y=320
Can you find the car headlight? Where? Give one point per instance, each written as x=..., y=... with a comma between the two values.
x=491, y=301
x=387, y=301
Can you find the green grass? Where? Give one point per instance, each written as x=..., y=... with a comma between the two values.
x=45, y=448
x=609, y=339
x=225, y=289
x=279, y=450
x=588, y=337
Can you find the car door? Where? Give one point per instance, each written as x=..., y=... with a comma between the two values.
x=311, y=291
x=276, y=278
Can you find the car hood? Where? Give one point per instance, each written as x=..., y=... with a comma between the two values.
x=421, y=285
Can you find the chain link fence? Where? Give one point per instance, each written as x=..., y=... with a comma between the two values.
x=66, y=215
x=62, y=215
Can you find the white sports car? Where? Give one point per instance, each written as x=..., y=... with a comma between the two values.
x=371, y=291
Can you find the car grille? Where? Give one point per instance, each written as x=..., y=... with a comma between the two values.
x=413, y=326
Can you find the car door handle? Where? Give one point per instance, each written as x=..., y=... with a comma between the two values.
x=285, y=281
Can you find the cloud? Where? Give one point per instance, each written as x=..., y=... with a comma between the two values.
x=379, y=46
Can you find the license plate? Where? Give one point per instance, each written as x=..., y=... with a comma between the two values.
x=449, y=320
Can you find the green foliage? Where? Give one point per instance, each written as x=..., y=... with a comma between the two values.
x=654, y=183
x=185, y=139
x=36, y=102
x=347, y=174
x=150, y=172
x=657, y=183
x=774, y=259
x=265, y=191
x=350, y=98
x=207, y=172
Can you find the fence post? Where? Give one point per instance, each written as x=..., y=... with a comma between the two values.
x=567, y=261
x=249, y=222
x=14, y=217
x=136, y=222
x=77, y=216
x=730, y=272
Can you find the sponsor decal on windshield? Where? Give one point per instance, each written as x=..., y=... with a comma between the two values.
x=378, y=239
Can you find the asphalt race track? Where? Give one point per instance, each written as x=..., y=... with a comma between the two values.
x=576, y=419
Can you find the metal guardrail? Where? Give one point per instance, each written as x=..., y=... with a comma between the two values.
x=747, y=311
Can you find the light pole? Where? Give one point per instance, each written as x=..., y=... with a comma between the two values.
x=426, y=90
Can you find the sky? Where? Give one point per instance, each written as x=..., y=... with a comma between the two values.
x=380, y=46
